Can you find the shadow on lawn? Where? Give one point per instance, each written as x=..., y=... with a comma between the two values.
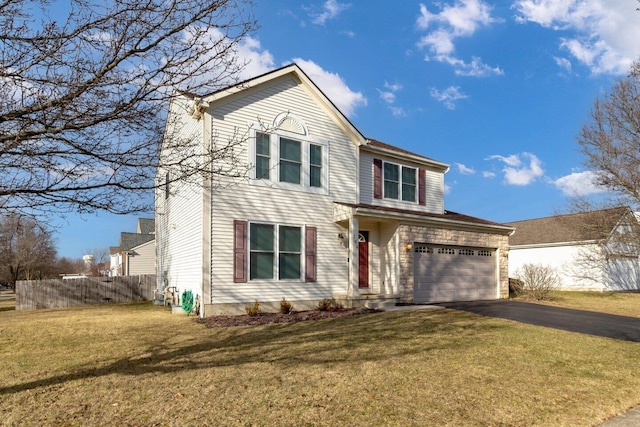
x=368, y=337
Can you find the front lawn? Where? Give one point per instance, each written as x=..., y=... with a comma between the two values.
x=623, y=304
x=139, y=365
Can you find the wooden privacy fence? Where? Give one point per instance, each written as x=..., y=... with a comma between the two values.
x=58, y=293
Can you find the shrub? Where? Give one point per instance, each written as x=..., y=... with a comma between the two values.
x=537, y=280
x=324, y=305
x=329, y=305
x=253, y=310
x=285, y=307
x=515, y=287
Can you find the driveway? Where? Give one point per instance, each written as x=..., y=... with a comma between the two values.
x=584, y=322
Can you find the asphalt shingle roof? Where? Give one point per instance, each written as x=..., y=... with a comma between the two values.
x=129, y=241
x=583, y=226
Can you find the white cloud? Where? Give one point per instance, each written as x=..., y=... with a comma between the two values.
x=259, y=61
x=464, y=170
x=397, y=111
x=247, y=53
x=448, y=96
x=521, y=169
x=605, y=31
x=389, y=96
x=333, y=86
x=461, y=19
x=487, y=174
x=563, y=63
x=579, y=184
x=331, y=9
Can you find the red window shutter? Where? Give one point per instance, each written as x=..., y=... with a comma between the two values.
x=377, y=178
x=239, y=251
x=422, y=187
x=310, y=244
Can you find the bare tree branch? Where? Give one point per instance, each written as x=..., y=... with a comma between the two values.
x=83, y=99
x=610, y=141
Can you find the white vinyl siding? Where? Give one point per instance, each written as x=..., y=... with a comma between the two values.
x=270, y=203
x=142, y=259
x=565, y=260
x=179, y=218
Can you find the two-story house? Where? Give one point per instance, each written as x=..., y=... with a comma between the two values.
x=324, y=212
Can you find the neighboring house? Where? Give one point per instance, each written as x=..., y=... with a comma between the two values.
x=590, y=250
x=324, y=212
x=136, y=254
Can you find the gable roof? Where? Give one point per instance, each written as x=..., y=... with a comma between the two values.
x=295, y=71
x=146, y=225
x=577, y=227
x=131, y=240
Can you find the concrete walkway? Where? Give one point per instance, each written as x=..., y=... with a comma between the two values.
x=628, y=419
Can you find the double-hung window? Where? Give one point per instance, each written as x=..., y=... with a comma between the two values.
x=391, y=180
x=315, y=165
x=275, y=251
x=289, y=252
x=294, y=162
x=408, y=184
x=263, y=156
x=400, y=182
x=290, y=161
x=262, y=248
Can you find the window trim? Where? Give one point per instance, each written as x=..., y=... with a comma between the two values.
x=277, y=252
x=400, y=182
x=274, y=149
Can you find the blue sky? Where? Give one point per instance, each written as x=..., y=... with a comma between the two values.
x=498, y=90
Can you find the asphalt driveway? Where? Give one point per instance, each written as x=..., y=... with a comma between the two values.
x=584, y=322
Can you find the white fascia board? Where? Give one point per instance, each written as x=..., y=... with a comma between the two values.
x=142, y=245
x=553, y=245
x=307, y=84
x=408, y=157
x=439, y=222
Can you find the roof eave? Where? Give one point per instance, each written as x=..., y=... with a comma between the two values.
x=441, y=222
x=405, y=156
x=296, y=71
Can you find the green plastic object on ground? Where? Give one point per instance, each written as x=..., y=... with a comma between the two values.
x=187, y=301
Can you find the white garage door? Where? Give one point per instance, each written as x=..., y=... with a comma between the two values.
x=453, y=273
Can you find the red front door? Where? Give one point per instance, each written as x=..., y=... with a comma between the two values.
x=363, y=264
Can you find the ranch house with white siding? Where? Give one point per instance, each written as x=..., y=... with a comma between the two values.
x=323, y=212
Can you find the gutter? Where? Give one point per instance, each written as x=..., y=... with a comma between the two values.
x=406, y=156
x=448, y=223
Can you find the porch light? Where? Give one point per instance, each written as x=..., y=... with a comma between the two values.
x=409, y=246
x=341, y=238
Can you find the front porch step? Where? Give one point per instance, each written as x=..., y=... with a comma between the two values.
x=380, y=304
x=374, y=301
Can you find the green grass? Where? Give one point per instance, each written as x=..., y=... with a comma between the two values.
x=139, y=365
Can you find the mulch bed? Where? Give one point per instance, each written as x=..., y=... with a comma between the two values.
x=270, y=318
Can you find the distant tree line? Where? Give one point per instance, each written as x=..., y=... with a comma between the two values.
x=28, y=252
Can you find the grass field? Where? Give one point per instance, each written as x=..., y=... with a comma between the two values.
x=139, y=365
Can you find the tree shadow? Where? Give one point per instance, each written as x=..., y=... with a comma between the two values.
x=369, y=337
